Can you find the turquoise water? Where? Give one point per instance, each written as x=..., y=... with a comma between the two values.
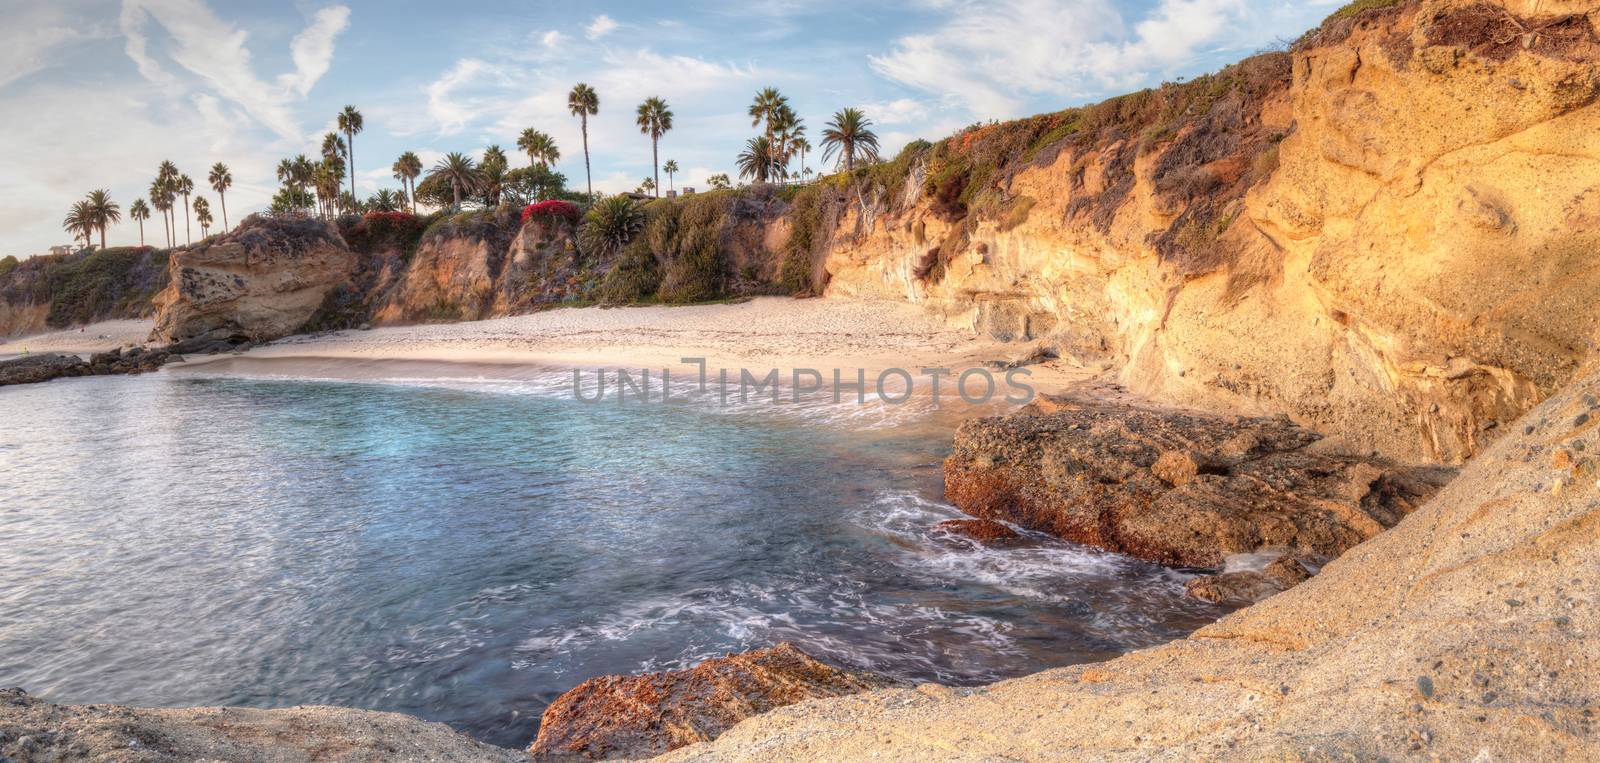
x=466, y=549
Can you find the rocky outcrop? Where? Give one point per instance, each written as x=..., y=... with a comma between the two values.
x=1175, y=487
x=1242, y=587
x=1469, y=631
x=35, y=731
x=649, y=714
x=32, y=369
x=61, y=290
x=262, y=281
x=1386, y=232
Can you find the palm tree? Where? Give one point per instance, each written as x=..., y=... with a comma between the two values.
x=848, y=135
x=185, y=186
x=406, y=169
x=583, y=102
x=799, y=143
x=333, y=147
x=647, y=186
x=103, y=211
x=460, y=172
x=539, y=146
x=654, y=120
x=386, y=200
x=202, y=215
x=757, y=161
x=221, y=180
x=140, y=212
x=671, y=168
x=492, y=175
x=767, y=104
x=167, y=178
x=785, y=126
x=350, y=123
x=80, y=222
x=495, y=155
x=159, y=200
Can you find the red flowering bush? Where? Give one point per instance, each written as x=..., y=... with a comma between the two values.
x=551, y=208
x=376, y=231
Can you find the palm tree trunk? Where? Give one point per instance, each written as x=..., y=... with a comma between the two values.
x=655, y=163
x=350, y=148
x=187, y=239
x=102, y=237
x=224, y=199
x=455, y=190
x=589, y=176
x=141, y=234
x=849, y=156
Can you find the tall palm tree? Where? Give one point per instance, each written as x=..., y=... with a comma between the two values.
x=583, y=102
x=799, y=143
x=286, y=173
x=671, y=168
x=350, y=122
x=185, y=186
x=539, y=146
x=767, y=104
x=103, y=211
x=495, y=155
x=460, y=172
x=202, y=215
x=167, y=176
x=406, y=169
x=159, y=200
x=80, y=223
x=304, y=171
x=654, y=120
x=140, y=212
x=334, y=148
x=848, y=136
x=221, y=180
x=783, y=125
x=757, y=161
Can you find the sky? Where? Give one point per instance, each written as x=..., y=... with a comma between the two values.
x=96, y=93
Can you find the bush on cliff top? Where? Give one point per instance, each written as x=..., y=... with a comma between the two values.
x=107, y=283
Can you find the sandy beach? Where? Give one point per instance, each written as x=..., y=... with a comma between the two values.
x=759, y=334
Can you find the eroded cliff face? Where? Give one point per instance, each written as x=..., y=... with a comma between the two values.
x=262, y=281
x=1387, y=233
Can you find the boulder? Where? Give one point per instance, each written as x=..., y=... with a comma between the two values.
x=986, y=531
x=31, y=369
x=1243, y=587
x=1173, y=486
x=643, y=715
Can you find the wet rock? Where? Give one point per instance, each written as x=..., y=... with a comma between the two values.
x=1249, y=586
x=31, y=369
x=650, y=714
x=1175, y=487
x=985, y=531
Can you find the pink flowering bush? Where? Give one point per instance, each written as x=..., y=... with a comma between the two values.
x=554, y=208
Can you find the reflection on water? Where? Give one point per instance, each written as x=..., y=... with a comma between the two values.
x=467, y=549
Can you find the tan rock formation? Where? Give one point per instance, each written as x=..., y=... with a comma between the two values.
x=1470, y=631
x=262, y=281
x=649, y=714
x=1387, y=233
x=1175, y=487
x=35, y=731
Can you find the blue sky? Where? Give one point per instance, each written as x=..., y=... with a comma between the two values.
x=95, y=93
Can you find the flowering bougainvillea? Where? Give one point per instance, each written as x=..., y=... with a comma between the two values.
x=551, y=208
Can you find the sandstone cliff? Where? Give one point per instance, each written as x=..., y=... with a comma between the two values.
x=1386, y=232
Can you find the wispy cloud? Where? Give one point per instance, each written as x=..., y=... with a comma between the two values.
x=215, y=51
x=600, y=27
x=996, y=57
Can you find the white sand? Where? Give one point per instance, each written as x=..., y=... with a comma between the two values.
x=768, y=332
x=96, y=337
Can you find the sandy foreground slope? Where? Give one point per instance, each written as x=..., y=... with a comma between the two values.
x=1470, y=631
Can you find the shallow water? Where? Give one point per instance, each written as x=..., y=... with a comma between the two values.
x=467, y=549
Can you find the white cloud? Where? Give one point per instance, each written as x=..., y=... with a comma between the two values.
x=600, y=27
x=32, y=34
x=312, y=49
x=897, y=111
x=215, y=51
x=993, y=58
x=552, y=38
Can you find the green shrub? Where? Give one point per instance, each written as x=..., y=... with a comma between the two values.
x=1356, y=8
x=696, y=268
x=107, y=283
